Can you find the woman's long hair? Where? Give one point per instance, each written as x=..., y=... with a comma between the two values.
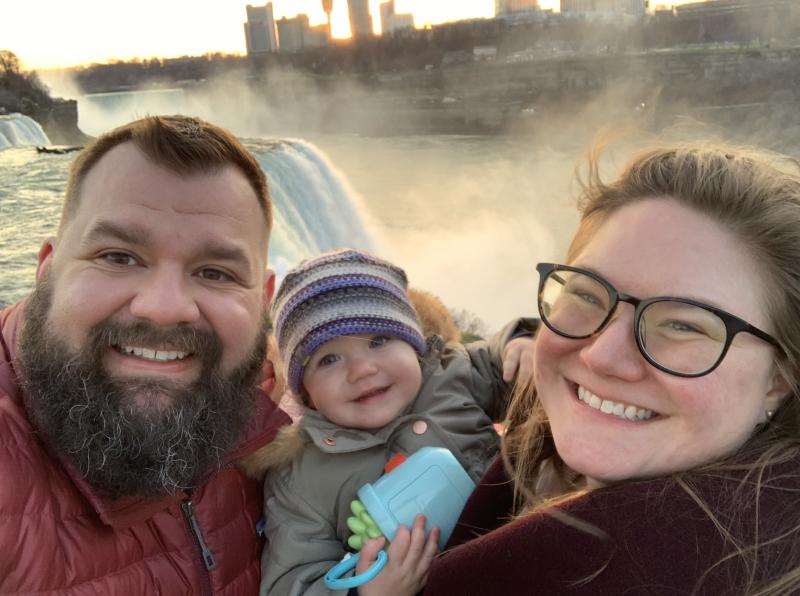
x=756, y=196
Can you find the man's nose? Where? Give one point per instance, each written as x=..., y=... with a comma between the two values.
x=613, y=351
x=165, y=298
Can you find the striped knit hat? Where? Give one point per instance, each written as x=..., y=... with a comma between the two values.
x=345, y=292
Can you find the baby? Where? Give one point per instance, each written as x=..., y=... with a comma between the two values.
x=372, y=386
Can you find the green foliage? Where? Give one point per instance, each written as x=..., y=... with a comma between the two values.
x=9, y=63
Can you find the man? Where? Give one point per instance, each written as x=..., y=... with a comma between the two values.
x=134, y=377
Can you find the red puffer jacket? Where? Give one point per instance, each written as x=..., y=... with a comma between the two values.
x=56, y=536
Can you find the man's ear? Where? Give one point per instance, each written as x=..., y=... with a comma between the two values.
x=45, y=259
x=269, y=287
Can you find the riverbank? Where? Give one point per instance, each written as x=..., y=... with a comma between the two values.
x=59, y=120
x=23, y=92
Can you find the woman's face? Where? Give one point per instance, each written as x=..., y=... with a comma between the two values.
x=657, y=247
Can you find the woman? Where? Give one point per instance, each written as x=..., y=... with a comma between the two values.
x=659, y=450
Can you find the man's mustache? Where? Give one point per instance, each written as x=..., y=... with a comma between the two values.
x=202, y=343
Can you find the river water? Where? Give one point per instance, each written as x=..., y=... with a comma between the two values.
x=467, y=217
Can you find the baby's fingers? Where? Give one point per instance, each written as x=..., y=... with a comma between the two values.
x=419, y=544
x=369, y=553
x=399, y=546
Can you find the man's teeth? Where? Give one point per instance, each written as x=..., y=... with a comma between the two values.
x=148, y=354
x=626, y=411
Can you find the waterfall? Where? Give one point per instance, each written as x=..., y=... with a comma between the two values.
x=313, y=206
x=16, y=130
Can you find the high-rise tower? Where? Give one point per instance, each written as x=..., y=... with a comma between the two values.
x=327, y=6
x=503, y=7
x=259, y=30
x=391, y=21
x=360, y=19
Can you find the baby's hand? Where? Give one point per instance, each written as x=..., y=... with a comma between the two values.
x=518, y=359
x=410, y=557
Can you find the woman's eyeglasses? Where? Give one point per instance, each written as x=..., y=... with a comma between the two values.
x=677, y=335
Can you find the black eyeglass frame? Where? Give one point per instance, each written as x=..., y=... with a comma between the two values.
x=733, y=324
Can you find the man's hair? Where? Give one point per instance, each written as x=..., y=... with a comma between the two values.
x=182, y=144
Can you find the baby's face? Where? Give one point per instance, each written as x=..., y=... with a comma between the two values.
x=362, y=381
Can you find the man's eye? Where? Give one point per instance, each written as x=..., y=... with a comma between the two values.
x=378, y=341
x=214, y=275
x=119, y=258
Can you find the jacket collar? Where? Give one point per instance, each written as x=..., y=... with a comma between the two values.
x=331, y=438
x=10, y=327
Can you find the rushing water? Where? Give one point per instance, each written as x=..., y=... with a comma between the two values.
x=302, y=184
x=16, y=130
x=467, y=217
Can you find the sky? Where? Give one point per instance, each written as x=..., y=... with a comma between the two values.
x=60, y=33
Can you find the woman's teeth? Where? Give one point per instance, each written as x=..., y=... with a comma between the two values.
x=148, y=354
x=626, y=411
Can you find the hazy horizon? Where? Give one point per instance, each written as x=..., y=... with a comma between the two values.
x=69, y=37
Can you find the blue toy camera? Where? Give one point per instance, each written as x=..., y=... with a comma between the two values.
x=431, y=482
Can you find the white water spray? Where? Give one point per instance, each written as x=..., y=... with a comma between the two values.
x=17, y=130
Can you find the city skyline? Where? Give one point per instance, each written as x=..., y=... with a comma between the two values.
x=55, y=34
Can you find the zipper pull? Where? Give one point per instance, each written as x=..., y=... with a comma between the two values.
x=208, y=556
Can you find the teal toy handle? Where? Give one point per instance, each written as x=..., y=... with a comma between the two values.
x=335, y=581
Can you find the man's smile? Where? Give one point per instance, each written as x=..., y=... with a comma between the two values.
x=150, y=354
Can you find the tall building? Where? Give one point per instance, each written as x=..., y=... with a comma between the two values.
x=360, y=19
x=259, y=30
x=327, y=6
x=504, y=7
x=740, y=20
x=391, y=21
x=296, y=34
x=603, y=8
x=632, y=7
x=718, y=7
x=517, y=11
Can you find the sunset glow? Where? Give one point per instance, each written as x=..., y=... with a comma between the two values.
x=54, y=33
x=426, y=12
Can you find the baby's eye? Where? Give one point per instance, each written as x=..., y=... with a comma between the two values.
x=327, y=360
x=379, y=341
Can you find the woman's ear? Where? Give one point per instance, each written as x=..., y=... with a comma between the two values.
x=779, y=390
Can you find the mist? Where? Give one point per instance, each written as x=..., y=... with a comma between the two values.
x=468, y=216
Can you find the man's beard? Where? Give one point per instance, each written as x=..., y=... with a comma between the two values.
x=177, y=434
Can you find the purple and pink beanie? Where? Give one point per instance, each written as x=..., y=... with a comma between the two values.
x=345, y=292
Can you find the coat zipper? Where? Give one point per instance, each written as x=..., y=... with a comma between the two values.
x=206, y=556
